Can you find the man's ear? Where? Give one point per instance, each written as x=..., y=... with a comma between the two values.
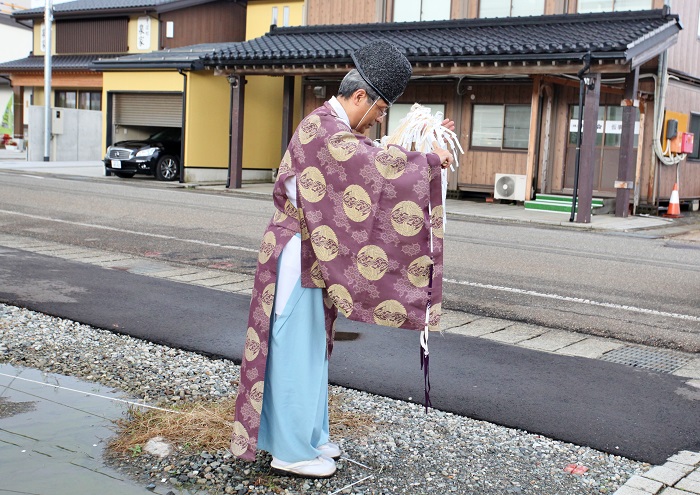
x=358, y=95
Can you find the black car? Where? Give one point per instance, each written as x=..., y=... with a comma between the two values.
x=157, y=155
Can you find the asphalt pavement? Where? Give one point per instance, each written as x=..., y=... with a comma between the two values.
x=611, y=407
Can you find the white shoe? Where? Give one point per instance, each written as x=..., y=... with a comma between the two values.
x=320, y=467
x=330, y=449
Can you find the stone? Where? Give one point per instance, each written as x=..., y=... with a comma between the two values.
x=159, y=447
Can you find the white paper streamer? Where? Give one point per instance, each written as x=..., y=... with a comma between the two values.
x=422, y=131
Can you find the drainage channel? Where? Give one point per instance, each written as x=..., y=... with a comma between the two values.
x=661, y=360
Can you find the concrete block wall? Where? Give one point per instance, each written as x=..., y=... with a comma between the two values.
x=80, y=138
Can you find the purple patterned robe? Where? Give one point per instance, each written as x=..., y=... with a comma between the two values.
x=365, y=221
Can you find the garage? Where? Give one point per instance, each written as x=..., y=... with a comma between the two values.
x=145, y=132
x=137, y=115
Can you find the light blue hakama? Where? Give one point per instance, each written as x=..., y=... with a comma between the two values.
x=294, y=418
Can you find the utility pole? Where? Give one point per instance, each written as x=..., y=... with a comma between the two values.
x=48, y=21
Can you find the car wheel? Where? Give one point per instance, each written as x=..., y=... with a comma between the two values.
x=168, y=168
x=124, y=175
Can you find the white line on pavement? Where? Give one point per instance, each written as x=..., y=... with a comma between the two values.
x=573, y=299
x=124, y=231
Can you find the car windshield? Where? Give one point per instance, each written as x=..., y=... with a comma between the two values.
x=170, y=134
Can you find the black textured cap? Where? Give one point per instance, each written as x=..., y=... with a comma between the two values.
x=383, y=66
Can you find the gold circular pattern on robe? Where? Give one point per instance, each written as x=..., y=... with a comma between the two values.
x=390, y=313
x=341, y=298
x=279, y=217
x=309, y=128
x=342, y=145
x=267, y=247
x=256, y=395
x=252, y=344
x=325, y=243
x=239, y=439
x=434, y=318
x=312, y=184
x=407, y=218
x=267, y=299
x=356, y=203
x=391, y=163
x=436, y=221
x=285, y=164
x=372, y=262
x=419, y=271
x=317, y=276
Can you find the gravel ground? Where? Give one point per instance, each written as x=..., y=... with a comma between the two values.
x=403, y=450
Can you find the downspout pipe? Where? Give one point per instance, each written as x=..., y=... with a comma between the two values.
x=181, y=173
x=581, y=102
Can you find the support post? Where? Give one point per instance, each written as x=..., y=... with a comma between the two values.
x=626, y=168
x=18, y=111
x=533, y=143
x=287, y=112
x=48, y=21
x=588, y=156
x=235, y=162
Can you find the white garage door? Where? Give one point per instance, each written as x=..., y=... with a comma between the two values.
x=148, y=109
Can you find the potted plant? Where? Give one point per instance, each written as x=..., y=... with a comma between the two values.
x=11, y=145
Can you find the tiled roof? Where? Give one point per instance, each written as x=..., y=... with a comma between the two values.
x=617, y=36
x=58, y=62
x=95, y=6
x=186, y=57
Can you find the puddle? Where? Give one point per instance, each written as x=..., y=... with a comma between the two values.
x=52, y=439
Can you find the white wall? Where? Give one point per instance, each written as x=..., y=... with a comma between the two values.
x=16, y=42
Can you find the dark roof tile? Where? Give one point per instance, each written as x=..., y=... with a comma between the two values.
x=77, y=7
x=58, y=62
x=617, y=36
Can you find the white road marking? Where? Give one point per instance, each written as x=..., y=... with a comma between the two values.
x=124, y=231
x=574, y=299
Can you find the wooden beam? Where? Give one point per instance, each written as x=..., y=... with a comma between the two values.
x=460, y=69
x=588, y=148
x=73, y=80
x=235, y=166
x=626, y=167
x=573, y=83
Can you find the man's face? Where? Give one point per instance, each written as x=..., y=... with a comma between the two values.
x=375, y=113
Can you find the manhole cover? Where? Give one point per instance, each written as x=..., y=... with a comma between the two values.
x=650, y=359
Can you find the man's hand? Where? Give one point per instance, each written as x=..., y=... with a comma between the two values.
x=449, y=124
x=446, y=158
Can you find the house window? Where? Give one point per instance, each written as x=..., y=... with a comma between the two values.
x=612, y=5
x=510, y=8
x=84, y=100
x=500, y=126
x=694, y=127
x=399, y=110
x=421, y=10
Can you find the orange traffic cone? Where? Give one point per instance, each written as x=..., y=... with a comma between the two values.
x=674, y=206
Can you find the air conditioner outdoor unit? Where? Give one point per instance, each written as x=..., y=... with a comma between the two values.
x=509, y=186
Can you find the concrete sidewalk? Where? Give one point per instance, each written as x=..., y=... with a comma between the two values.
x=478, y=210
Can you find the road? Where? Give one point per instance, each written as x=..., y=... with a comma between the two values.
x=637, y=287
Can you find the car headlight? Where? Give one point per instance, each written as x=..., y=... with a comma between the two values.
x=147, y=152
